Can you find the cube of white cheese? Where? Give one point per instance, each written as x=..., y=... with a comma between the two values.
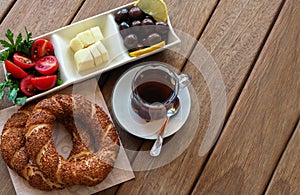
x=96, y=54
x=76, y=44
x=96, y=32
x=86, y=38
x=102, y=50
x=84, y=59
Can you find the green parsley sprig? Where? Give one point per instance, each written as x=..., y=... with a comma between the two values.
x=19, y=45
x=10, y=86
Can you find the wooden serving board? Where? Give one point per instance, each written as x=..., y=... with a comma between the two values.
x=122, y=171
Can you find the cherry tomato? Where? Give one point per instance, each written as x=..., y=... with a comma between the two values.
x=27, y=87
x=15, y=70
x=44, y=82
x=22, y=61
x=41, y=48
x=47, y=65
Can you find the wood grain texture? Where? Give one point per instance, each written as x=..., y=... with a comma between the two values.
x=92, y=7
x=39, y=17
x=6, y=183
x=286, y=178
x=262, y=121
x=264, y=116
x=5, y=7
x=233, y=37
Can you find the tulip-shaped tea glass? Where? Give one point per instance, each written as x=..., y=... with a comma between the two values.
x=155, y=89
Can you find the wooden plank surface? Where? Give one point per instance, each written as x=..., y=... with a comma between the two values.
x=5, y=7
x=233, y=36
x=35, y=15
x=236, y=26
x=92, y=7
x=263, y=118
x=6, y=183
x=286, y=178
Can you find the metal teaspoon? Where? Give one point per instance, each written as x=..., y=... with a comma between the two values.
x=156, y=148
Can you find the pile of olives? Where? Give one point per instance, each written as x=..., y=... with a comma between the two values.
x=140, y=30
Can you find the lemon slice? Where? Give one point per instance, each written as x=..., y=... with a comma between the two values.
x=155, y=8
x=147, y=50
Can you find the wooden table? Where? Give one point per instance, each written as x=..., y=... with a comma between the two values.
x=256, y=47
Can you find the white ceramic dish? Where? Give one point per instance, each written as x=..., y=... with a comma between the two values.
x=118, y=54
x=135, y=125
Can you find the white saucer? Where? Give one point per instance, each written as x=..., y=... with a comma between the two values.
x=137, y=126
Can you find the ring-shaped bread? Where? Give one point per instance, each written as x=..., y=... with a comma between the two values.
x=88, y=169
x=14, y=153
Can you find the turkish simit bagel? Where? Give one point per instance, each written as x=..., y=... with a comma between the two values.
x=28, y=147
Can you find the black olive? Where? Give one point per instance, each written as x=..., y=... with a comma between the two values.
x=154, y=38
x=124, y=29
x=162, y=27
x=148, y=26
x=124, y=25
x=136, y=23
x=145, y=42
x=150, y=17
x=131, y=41
x=121, y=15
x=136, y=27
x=147, y=21
x=135, y=13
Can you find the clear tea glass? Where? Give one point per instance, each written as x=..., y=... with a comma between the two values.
x=155, y=89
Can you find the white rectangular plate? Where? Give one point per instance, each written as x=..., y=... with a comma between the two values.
x=118, y=54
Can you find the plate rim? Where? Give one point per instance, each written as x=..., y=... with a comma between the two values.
x=154, y=136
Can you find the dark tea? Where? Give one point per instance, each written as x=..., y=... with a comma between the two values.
x=154, y=91
x=153, y=86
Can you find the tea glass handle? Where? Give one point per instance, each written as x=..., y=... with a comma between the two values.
x=184, y=80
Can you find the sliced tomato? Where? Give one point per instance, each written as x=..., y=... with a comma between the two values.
x=15, y=70
x=44, y=82
x=27, y=87
x=47, y=65
x=22, y=61
x=41, y=48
